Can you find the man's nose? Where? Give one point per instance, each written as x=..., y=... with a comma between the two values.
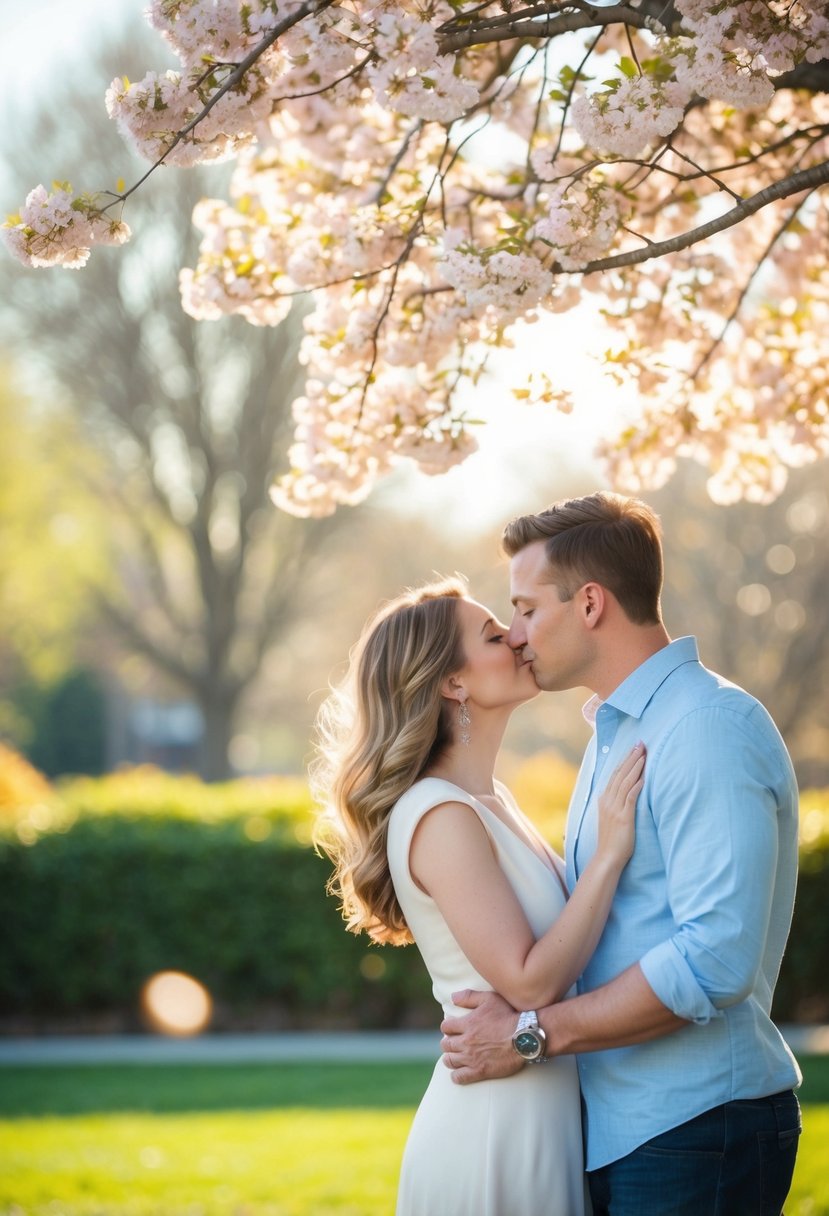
x=516, y=634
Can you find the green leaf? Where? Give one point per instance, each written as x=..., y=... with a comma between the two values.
x=567, y=75
x=628, y=67
x=658, y=68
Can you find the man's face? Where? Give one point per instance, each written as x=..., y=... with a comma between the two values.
x=549, y=630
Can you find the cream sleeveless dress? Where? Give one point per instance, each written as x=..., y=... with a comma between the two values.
x=511, y=1147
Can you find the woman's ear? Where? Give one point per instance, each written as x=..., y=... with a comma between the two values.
x=453, y=689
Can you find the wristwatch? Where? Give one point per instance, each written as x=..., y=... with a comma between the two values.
x=529, y=1040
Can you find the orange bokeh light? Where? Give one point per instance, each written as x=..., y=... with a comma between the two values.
x=175, y=1003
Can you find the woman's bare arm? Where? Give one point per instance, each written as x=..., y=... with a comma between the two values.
x=452, y=859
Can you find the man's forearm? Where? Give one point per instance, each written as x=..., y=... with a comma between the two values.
x=622, y=1012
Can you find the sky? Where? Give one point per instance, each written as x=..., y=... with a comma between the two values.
x=39, y=36
x=36, y=36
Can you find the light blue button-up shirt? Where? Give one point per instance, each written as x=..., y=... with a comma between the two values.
x=705, y=903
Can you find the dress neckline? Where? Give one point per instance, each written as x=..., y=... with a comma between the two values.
x=548, y=862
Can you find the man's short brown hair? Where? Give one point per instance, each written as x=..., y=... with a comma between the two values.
x=603, y=538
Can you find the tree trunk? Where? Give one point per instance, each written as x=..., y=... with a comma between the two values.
x=219, y=714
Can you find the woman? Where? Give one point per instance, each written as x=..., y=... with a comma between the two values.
x=429, y=847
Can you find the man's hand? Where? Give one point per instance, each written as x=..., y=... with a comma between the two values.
x=478, y=1047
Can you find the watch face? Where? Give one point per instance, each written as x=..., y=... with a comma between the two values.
x=528, y=1044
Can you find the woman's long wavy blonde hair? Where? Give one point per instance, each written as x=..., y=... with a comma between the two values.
x=376, y=734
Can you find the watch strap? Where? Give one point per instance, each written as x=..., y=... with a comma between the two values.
x=528, y=1020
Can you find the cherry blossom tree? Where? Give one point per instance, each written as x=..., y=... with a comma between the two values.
x=436, y=172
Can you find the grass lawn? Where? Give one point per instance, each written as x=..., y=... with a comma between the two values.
x=253, y=1140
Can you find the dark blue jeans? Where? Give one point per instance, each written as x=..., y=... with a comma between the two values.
x=735, y=1160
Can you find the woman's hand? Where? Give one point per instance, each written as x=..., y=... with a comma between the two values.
x=617, y=808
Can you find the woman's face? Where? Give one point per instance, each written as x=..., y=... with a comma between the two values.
x=493, y=675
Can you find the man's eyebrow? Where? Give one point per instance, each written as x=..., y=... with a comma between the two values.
x=521, y=599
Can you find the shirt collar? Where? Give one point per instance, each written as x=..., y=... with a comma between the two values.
x=634, y=693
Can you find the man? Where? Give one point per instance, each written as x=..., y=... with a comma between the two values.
x=687, y=1084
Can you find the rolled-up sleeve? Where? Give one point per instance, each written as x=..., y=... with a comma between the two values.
x=714, y=794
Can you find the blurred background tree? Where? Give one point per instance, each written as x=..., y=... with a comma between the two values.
x=751, y=582
x=53, y=548
x=189, y=421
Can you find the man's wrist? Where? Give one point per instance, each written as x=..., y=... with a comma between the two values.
x=552, y=1020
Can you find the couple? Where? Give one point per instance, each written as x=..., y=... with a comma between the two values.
x=642, y=976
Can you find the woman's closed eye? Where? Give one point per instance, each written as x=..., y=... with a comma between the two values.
x=497, y=637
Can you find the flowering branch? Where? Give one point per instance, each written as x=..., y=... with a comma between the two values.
x=232, y=82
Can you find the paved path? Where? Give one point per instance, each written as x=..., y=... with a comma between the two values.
x=243, y=1048
x=221, y=1048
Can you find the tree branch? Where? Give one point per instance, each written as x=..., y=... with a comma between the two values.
x=142, y=642
x=543, y=21
x=806, y=179
x=115, y=495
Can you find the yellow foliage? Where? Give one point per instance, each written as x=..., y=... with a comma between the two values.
x=21, y=785
x=146, y=790
x=29, y=805
x=542, y=785
x=814, y=821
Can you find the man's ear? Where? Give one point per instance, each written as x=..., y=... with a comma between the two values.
x=592, y=599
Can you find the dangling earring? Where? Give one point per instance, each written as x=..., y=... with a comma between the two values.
x=464, y=722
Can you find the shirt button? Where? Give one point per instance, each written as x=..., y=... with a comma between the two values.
x=605, y=749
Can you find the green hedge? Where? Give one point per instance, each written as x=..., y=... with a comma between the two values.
x=94, y=911
x=93, y=904
x=802, y=992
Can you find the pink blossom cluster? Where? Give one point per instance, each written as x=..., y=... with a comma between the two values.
x=705, y=68
x=774, y=34
x=633, y=114
x=505, y=283
x=411, y=76
x=581, y=222
x=59, y=229
x=209, y=37
x=346, y=439
x=212, y=29
x=150, y=113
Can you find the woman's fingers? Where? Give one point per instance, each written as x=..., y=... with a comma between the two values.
x=633, y=793
x=630, y=778
x=628, y=771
